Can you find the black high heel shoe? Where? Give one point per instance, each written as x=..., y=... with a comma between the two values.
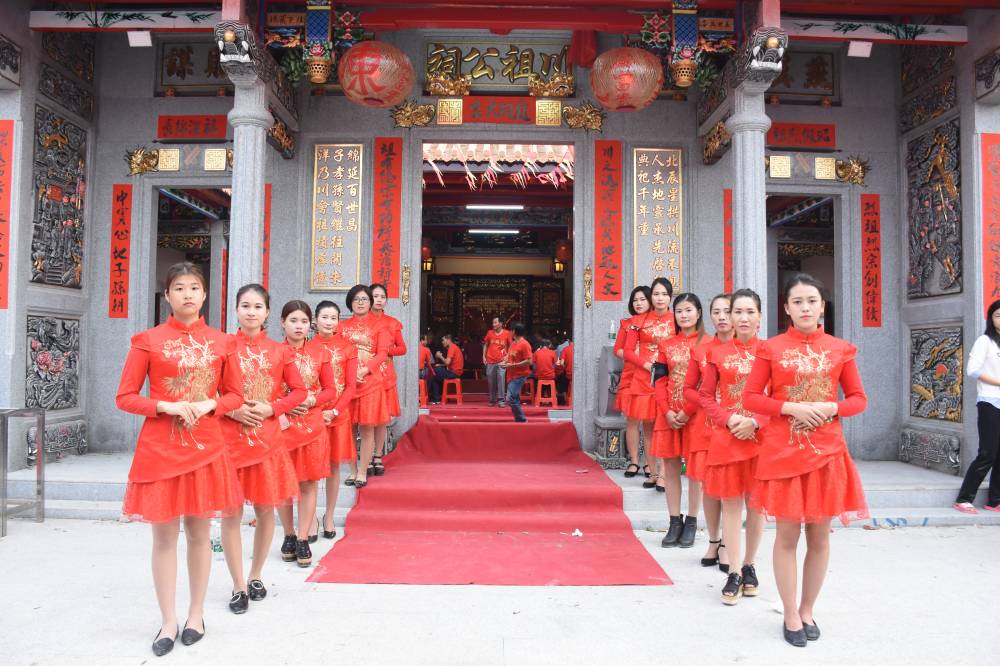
x=314, y=536
x=724, y=568
x=328, y=534
x=190, y=636
x=712, y=561
x=163, y=645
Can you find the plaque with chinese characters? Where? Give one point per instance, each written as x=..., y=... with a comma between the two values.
x=658, y=202
x=497, y=66
x=336, y=217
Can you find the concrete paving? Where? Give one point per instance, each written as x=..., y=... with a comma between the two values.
x=79, y=592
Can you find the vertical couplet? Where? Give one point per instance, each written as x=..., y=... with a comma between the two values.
x=6, y=180
x=871, y=260
x=727, y=240
x=608, y=219
x=265, y=276
x=991, y=218
x=121, y=250
x=386, y=213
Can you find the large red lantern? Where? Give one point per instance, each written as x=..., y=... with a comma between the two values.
x=425, y=251
x=626, y=79
x=375, y=74
x=563, y=250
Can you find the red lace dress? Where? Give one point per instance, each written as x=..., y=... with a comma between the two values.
x=701, y=427
x=621, y=396
x=372, y=341
x=731, y=462
x=179, y=470
x=397, y=347
x=344, y=362
x=306, y=437
x=267, y=476
x=806, y=475
x=669, y=392
x=642, y=344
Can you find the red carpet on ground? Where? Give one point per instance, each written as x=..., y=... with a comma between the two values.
x=490, y=504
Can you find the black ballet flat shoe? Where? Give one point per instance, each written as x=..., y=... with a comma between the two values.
x=645, y=471
x=163, y=645
x=796, y=638
x=812, y=631
x=328, y=534
x=673, y=532
x=629, y=472
x=239, y=603
x=690, y=531
x=360, y=483
x=288, y=548
x=256, y=590
x=661, y=489
x=303, y=554
x=650, y=481
x=712, y=561
x=349, y=482
x=189, y=636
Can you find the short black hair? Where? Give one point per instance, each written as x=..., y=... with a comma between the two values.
x=518, y=329
x=355, y=290
x=646, y=291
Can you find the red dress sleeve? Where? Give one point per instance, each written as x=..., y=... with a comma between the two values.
x=350, y=388
x=692, y=399
x=631, y=340
x=398, y=346
x=620, y=338
x=231, y=382
x=327, y=381
x=293, y=380
x=134, y=372
x=382, y=343
x=754, y=398
x=706, y=396
x=855, y=401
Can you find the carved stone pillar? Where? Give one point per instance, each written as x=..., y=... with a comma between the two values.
x=759, y=66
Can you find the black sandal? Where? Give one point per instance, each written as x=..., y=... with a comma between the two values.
x=724, y=568
x=650, y=482
x=645, y=471
x=712, y=561
x=349, y=481
x=378, y=469
x=630, y=474
x=360, y=483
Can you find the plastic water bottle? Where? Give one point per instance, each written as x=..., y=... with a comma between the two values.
x=216, y=539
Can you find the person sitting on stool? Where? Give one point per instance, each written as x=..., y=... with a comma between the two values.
x=426, y=369
x=450, y=367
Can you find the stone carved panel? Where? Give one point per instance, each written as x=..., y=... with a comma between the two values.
x=75, y=51
x=932, y=450
x=611, y=451
x=59, y=188
x=987, y=71
x=929, y=103
x=52, y=379
x=936, y=373
x=920, y=64
x=934, y=212
x=59, y=439
x=10, y=63
x=64, y=92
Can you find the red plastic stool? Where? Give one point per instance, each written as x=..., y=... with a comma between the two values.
x=422, y=392
x=550, y=401
x=528, y=390
x=447, y=393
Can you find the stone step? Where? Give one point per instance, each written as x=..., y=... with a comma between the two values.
x=110, y=510
x=881, y=518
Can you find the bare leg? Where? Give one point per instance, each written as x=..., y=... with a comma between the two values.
x=332, y=491
x=307, y=508
x=814, y=568
x=632, y=441
x=287, y=520
x=713, y=518
x=380, y=432
x=694, y=495
x=263, y=535
x=755, y=530
x=732, y=527
x=199, y=561
x=672, y=482
x=655, y=464
x=165, y=574
x=367, y=449
x=786, y=541
x=232, y=548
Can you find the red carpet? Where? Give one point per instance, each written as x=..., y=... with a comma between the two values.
x=490, y=504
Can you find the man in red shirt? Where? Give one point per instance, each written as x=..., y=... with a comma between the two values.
x=565, y=363
x=518, y=367
x=426, y=368
x=545, y=361
x=451, y=367
x=495, y=345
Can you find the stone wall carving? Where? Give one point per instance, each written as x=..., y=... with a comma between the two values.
x=59, y=188
x=920, y=64
x=60, y=439
x=927, y=104
x=611, y=451
x=64, y=92
x=10, y=63
x=52, y=379
x=934, y=212
x=932, y=450
x=987, y=71
x=74, y=50
x=936, y=373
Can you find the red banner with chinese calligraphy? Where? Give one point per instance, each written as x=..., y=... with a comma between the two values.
x=504, y=110
x=991, y=218
x=388, y=199
x=802, y=135
x=121, y=250
x=191, y=127
x=266, y=256
x=608, y=220
x=727, y=241
x=225, y=289
x=6, y=181
x=871, y=260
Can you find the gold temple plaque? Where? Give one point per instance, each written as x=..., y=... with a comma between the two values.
x=825, y=168
x=781, y=166
x=170, y=159
x=215, y=159
x=548, y=113
x=449, y=112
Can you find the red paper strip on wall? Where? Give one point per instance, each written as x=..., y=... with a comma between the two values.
x=388, y=199
x=505, y=110
x=727, y=241
x=121, y=250
x=991, y=218
x=6, y=182
x=802, y=135
x=871, y=261
x=225, y=289
x=608, y=220
x=191, y=127
x=266, y=256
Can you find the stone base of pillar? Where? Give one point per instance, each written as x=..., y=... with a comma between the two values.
x=611, y=452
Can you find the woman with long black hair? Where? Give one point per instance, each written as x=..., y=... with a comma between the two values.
x=638, y=305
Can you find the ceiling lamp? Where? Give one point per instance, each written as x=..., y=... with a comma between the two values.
x=558, y=266
x=375, y=74
x=626, y=79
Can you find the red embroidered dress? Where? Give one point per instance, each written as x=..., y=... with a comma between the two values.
x=642, y=344
x=267, y=476
x=806, y=475
x=306, y=437
x=669, y=391
x=372, y=342
x=397, y=347
x=344, y=362
x=701, y=427
x=731, y=462
x=621, y=396
x=179, y=470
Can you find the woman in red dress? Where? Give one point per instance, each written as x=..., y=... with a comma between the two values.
x=305, y=434
x=805, y=474
x=673, y=418
x=253, y=439
x=337, y=412
x=732, y=454
x=638, y=305
x=396, y=348
x=702, y=428
x=642, y=344
x=372, y=341
x=180, y=468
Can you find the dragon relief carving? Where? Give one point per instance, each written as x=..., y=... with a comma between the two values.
x=410, y=114
x=586, y=116
x=141, y=160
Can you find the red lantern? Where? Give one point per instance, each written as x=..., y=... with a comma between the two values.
x=563, y=250
x=425, y=252
x=375, y=74
x=626, y=79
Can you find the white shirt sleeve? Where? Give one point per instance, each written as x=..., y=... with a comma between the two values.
x=977, y=357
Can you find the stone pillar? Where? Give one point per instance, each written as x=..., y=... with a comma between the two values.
x=218, y=236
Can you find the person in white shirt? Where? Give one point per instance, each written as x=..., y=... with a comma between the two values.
x=984, y=365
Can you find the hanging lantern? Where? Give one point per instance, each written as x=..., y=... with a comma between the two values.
x=626, y=79
x=425, y=251
x=563, y=250
x=375, y=74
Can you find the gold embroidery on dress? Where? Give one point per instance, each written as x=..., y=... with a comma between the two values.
x=680, y=356
x=257, y=386
x=365, y=345
x=812, y=384
x=742, y=363
x=196, y=378
x=306, y=366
